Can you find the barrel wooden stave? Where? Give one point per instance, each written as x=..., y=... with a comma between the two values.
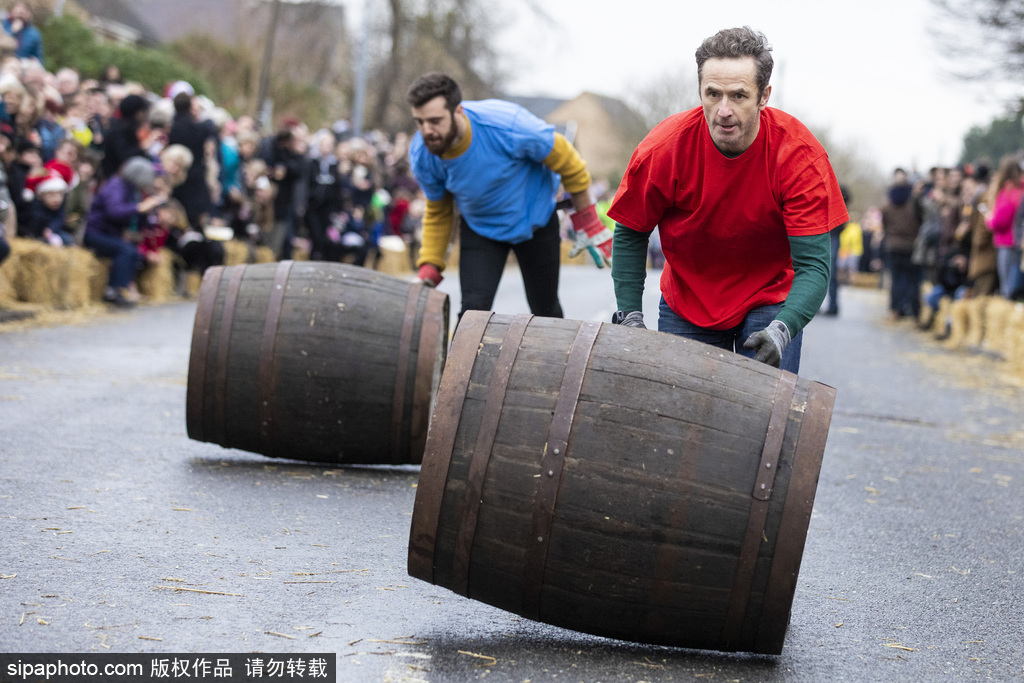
x=662, y=568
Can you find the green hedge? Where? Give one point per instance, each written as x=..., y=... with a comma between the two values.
x=67, y=42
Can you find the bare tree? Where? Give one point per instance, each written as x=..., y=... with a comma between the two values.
x=982, y=40
x=670, y=93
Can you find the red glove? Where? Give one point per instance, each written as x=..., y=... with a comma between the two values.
x=430, y=275
x=587, y=222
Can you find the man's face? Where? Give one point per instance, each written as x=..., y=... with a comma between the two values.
x=732, y=108
x=437, y=125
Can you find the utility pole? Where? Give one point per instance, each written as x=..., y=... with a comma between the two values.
x=262, y=105
x=359, y=100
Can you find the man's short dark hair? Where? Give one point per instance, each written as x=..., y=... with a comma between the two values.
x=182, y=103
x=734, y=43
x=432, y=85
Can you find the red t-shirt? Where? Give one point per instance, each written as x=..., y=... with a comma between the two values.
x=725, y=223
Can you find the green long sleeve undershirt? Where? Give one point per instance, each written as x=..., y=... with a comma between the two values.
x=811, y=257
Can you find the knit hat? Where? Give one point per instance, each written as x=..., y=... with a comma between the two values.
x=139, y=172
x=53, y=183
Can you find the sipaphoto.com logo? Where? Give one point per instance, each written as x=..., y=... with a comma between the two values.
x=35, y=671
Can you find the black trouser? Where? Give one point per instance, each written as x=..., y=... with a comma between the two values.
x=905, y=292
x=482, y=260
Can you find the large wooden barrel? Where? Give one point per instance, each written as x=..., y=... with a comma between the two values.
x=619, y=482
x=316, y=361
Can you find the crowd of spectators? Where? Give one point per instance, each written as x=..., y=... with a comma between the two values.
x=132, y=174
x=951, y=233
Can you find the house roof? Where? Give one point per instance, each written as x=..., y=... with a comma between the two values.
x=123, y=13
x=538, y=106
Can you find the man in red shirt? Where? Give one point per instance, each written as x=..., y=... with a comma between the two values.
x=744, y=197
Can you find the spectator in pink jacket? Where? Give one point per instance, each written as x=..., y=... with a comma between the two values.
x=1004, y=196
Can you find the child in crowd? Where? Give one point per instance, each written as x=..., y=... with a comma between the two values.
x=164, y=224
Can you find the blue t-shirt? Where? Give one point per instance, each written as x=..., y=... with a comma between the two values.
x=500, y=184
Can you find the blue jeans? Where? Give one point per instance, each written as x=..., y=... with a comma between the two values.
x=732, y=339
x=1008, y=265
x=125, y=257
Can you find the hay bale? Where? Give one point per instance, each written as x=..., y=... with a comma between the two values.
x=975, y=333
x=237, y=252
x=264, y=254
x=53, y=277
x=393, y=256
x=193, y=281
x=99, y=278
x=941, y=317
x=76, y=290
x=997, y=318
x=1014, y=338
x=869, y=280
x=156, y=281
x=958, y=324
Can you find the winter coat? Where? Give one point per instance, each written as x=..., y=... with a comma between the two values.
x=901, y=219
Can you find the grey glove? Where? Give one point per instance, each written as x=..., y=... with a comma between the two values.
x=769, y=343
x=631, y=319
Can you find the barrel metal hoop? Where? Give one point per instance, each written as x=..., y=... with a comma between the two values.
x=469, y=508
x=796, y=517
x=444, y=427
x=199, y=354
x=431, y=338
x=747, y=563
x=773, y=439
x=402, y=370
x=553, y=465
x=220, y=387
x=268, y=358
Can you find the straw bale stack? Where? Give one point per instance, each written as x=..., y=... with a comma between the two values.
x=54, y=277
x=975, y=321
x=997, y=320
x=237, y=252
x=1014, y=338
x=393, y=256
x=157, y=280
x=264, y=254
x=959, y=324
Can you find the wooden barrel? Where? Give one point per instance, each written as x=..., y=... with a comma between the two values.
x=619, y=482
x=315, y=361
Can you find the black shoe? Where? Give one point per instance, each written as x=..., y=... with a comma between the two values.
x=118, y=299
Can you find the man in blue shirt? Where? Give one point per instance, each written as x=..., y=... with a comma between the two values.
x=499, y=164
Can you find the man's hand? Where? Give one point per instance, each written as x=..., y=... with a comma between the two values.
x=631, y=319
x=769, y=343
x=586, y=223
x=430, y=275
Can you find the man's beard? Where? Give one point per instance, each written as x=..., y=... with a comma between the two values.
x=439, y=146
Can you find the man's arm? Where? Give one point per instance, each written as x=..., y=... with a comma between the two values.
x=629, y=269
x=437, y=232
x=567, y=163
x=811, y=256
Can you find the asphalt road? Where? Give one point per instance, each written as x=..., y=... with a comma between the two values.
x=913, y=568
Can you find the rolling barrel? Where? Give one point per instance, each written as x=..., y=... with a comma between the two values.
x=315, y=361
x=619, y=482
